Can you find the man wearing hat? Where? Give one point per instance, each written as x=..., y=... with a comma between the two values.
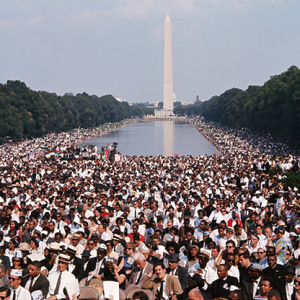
x=17, y=291
x=112, y=273
x=61, y=280
x=206, y=273
x=75, y=242
x=54, y=250
x=96, y=265
x=252, y=282
x=85, y=258
x=287, y=288
x=25, y=249
x=118, y=247
x=177, y=271
x=76, y=264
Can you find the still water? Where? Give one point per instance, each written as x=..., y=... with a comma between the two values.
x=165, y=137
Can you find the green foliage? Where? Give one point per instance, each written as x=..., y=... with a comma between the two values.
x=26, y=113
x=293, y=179
x=273, y=108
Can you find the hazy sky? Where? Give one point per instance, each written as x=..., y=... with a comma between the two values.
x=116, y=47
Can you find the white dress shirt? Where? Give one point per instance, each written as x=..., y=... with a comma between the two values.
x=21, y=294
x=67, y=279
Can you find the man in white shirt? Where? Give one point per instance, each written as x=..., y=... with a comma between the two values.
x=215, y=214
x=232, y=269
x=17, y=292
x=62, y=281
x=60, y=224
x=103, y=233
x=135, y=210
x=220, y=239
x=77, y=245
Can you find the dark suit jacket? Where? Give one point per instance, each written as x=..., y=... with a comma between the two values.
x=248, y=287
x=41, y=283
x=78, y=272
x=135, y=273
x=5, y=261
x=91, y=266
x=26, y=236
x=277, y=273
x=182, y=275
x=282, y=290
x=221, y=288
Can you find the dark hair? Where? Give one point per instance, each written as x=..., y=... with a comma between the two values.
x=140, y=295
x=230, y=242
x=35, y=242
x=224, y=265
x=216, y=247
x=14, y=242
x=189, y=253
x=37, y=264
x=209, y=240
x=172, y=244
x=58, y=234
x=245, y=255
x=191, y=230
x=110, y=242
x=4, y=289
x=239, y=294
x=153, y=245
x=268, y=279
x=159, y=264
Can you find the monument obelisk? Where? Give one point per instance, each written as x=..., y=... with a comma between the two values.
x=168, y=72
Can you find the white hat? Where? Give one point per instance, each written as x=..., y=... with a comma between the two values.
x=18, y=254
x=54, y=247
x=102, y=247
x=36, y=256
x=15, y=272
x=64, y=258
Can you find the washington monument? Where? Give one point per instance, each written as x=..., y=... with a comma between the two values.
x=168, y=72
x=167, y=110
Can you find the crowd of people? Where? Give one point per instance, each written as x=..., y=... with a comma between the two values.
x=195, y=228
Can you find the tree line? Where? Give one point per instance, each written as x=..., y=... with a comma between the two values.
x=273, y=108
x=26, y=113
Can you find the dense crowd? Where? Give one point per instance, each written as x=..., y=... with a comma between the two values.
x=195, y=228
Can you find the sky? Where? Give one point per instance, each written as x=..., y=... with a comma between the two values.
x=116, y=46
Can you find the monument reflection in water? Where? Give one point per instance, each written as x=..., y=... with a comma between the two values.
x=164, y=137
x=168, y=137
